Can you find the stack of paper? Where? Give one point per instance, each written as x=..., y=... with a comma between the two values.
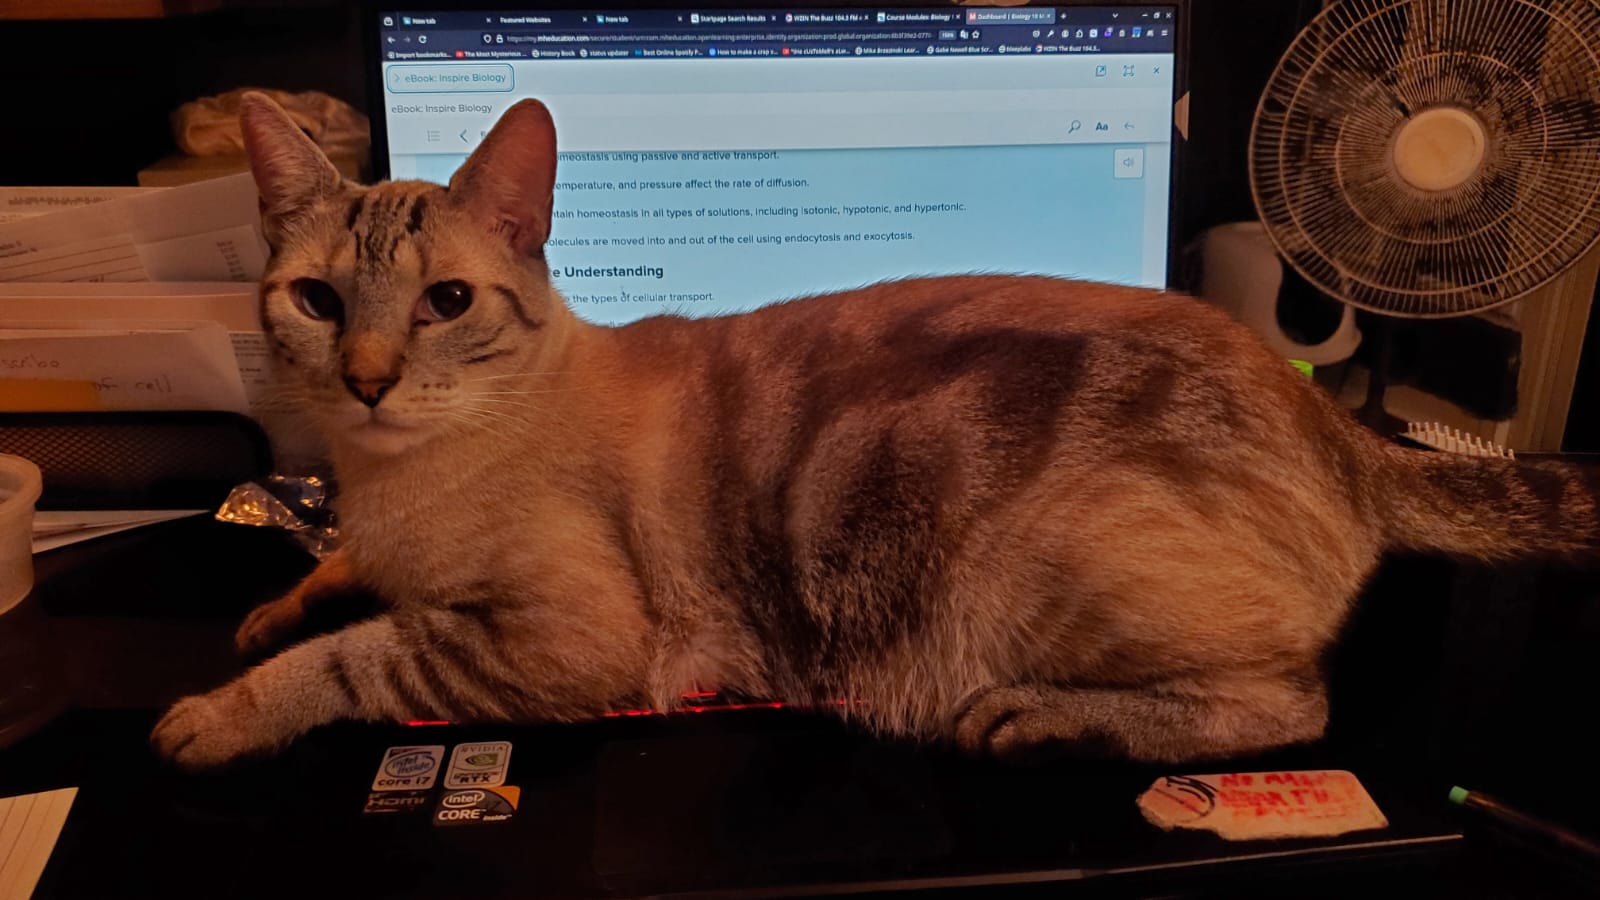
x=89, y=347
x=159, y=307
x=207, y=231
x=79, y=334
x=78, y=349
x=61, y=365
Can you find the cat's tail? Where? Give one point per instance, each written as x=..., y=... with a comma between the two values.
x=1491, y=508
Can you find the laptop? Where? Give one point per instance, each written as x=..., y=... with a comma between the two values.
x=715, y=158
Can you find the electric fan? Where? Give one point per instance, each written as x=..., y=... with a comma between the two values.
x=1431, y=158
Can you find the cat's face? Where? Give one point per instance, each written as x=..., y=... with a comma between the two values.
x=403, y=312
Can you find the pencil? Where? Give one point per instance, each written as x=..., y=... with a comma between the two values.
x=1561, y=837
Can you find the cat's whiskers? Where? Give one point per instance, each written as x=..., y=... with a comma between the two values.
x=516, y=375
x=466, y=417
x=476, y=418
x=476, y=401
x=274, y=393
x=472, y=405
x=281, y=404
x=515, y=404
x=465, y=427
x=495, y=414
x=522, y=403
x=524, y=393
x=265, y=407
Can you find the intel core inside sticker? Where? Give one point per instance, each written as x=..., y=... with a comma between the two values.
x=477, y=805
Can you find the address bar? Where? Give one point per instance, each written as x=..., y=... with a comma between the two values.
x=1075, y=101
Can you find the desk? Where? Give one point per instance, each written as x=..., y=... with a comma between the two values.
x=717, y=804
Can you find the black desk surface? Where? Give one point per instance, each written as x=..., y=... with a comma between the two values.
x=719, y=803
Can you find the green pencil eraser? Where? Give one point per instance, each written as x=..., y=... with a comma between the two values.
x=1458, y=795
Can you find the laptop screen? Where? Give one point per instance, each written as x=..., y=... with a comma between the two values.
x=712, y=160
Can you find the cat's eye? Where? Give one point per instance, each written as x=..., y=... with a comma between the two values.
x=318, y=299
x=444, y=301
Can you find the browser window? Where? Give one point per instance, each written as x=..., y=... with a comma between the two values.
x=715, y=160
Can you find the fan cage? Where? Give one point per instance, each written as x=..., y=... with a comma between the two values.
x=1321, y=161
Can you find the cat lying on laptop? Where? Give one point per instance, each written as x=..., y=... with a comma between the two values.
x=1016, y=514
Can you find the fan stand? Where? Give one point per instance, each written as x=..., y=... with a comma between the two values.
x=1372, y=413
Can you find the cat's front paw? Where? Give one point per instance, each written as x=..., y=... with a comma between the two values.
x=209, y=731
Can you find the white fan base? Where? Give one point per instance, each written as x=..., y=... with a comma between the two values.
x=1439, y=149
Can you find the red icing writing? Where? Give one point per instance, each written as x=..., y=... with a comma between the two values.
x=1302, y=795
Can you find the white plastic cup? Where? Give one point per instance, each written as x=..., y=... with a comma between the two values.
x=20, y=484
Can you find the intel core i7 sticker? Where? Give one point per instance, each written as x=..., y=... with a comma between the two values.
x=477, y=805
x=409, y=768
x=478, y=765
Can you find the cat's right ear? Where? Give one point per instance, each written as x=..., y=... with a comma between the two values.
x=509, y=181
x=291, y=171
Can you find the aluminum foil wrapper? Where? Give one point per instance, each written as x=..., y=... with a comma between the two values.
x=298, y=504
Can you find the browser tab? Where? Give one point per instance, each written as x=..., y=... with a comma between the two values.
x=919, y=16
x=1011, y=16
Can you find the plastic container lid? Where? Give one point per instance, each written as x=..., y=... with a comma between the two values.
x=20, y=484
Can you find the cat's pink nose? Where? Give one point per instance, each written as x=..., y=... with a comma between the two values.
x=369, y=390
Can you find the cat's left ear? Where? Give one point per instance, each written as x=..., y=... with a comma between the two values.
x=291, y=171
x=508, y=182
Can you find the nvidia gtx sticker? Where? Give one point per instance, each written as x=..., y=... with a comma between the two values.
x=478, y=765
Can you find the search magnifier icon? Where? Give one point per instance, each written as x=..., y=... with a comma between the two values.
x=1075, y=126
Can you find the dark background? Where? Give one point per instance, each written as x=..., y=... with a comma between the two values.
x=89, y=101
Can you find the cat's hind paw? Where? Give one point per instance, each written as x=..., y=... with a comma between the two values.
x=269, y=627
x=1017, y=725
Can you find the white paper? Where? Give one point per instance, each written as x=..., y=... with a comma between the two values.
x=52, y=528
x=196, y=232
x=216, y=204
x=253, y=355
x=234, y=305
x=109, y=258
x=118, y=366
x=29, y=827
x=231, y=254
x=17, y=203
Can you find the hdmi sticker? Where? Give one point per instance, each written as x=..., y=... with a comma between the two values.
x=478, y=765
x=384, y=802
x=409, y=768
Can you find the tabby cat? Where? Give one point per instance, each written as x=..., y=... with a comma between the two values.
x=1010, y=513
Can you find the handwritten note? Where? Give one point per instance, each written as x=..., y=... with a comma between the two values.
x=111, y=366
x=1259, y=805
x=234, y=306
x=29, y=827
